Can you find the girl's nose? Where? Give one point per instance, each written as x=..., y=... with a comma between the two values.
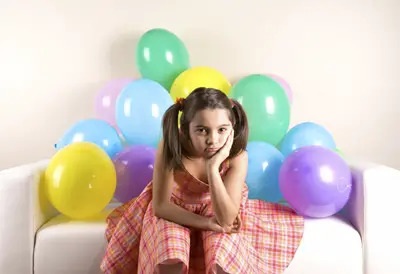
x=212, y=138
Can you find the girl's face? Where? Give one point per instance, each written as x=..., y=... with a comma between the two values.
x=208, y=131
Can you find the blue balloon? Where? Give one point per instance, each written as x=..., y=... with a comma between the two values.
x=94, y=131
x=139, y=111
x=306, y=134
x=264, y=163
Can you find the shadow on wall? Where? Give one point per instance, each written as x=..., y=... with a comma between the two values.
x=122, y=59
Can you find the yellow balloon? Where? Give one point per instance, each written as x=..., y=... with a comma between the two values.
x=80, y=180
x=196, y=77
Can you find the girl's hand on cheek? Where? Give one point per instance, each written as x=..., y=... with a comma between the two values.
x=223, y=153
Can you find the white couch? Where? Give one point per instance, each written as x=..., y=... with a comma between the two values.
x=363, y=238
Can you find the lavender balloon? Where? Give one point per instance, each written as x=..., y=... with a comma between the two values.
x=315, y=181
x=106, y=98
x=284, y=85
x=134, y=166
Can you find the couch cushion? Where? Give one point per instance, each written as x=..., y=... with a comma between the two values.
x=71, y=246
x=329, y=245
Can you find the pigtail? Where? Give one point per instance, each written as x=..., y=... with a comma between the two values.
x=240, y=127
x=171, y=147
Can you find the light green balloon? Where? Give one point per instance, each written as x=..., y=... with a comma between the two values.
x=267, y=107
x=161, y=56
x=338, y=151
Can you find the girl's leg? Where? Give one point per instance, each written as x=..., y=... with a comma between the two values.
x=220, y=271
x=170, y=268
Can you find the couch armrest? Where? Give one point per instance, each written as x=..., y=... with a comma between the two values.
x=23, y=209
x=374, y=209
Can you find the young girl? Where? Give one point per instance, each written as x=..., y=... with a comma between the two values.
x=194, y=217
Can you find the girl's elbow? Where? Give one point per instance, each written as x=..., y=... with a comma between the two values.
x=227, y=220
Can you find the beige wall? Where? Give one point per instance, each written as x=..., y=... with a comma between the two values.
x=341, y=58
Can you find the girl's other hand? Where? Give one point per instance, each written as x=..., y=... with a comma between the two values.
x=213, y=225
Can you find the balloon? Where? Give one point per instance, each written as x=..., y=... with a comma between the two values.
x=80, y=180
x=306, y=134
x=139, y=111
x=284, y=85
x=196, y=77
x=264, y=163
x=161, y=56
x=95, y=131
x=134, y=166
x=266, y=105
x=338, y=151
x=315, y=181
x=106, y=99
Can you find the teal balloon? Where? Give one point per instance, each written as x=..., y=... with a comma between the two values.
x=306, y=134
x=139, y=111
x=267, y=107
x=161, y=56
x=264, y=163
x=94, y=131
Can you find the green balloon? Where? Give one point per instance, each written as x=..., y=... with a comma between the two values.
x=161, y=56
x=267, y=107
x=338, y=151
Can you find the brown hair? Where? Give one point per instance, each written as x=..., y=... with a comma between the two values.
x=200, y=99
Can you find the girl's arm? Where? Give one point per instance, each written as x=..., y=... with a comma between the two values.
x=226, y=195
x=162, y=189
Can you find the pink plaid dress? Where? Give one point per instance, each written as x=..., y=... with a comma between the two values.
x=139, y=241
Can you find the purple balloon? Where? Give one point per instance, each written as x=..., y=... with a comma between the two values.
x=284, y=85
x=315, y=181
x=134, y=166
x=106, y=99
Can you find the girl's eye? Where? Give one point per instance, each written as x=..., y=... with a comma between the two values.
x=202, y=130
